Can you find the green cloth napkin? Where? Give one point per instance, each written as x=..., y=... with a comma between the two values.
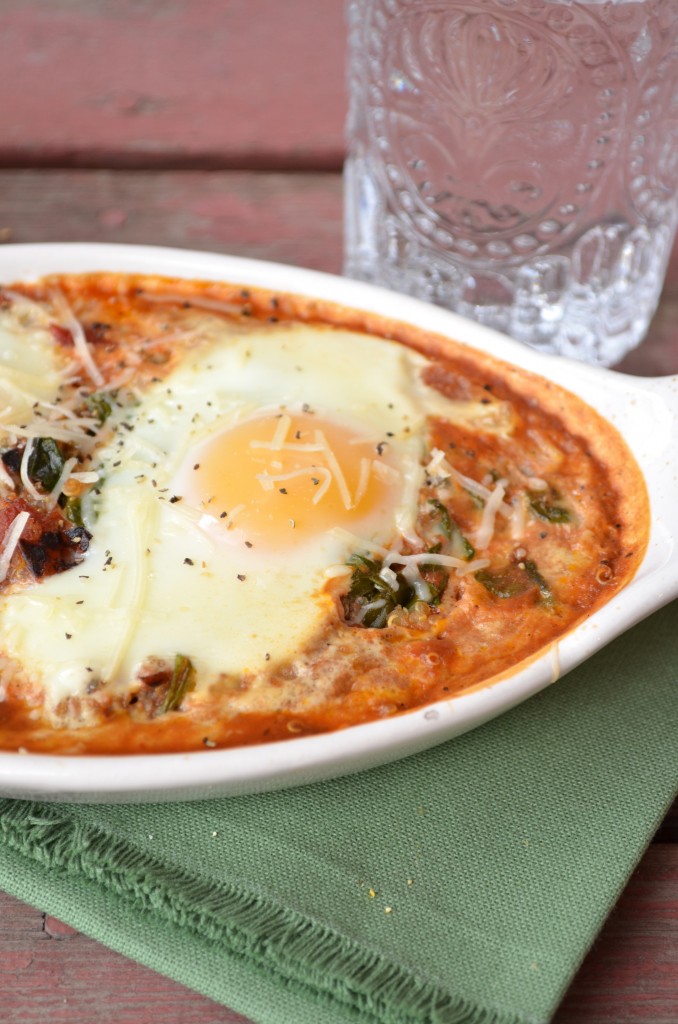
x=464, y=884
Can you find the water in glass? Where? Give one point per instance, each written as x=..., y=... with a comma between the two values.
x=517, y=161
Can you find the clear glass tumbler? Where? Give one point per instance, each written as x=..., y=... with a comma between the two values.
x=517, y=161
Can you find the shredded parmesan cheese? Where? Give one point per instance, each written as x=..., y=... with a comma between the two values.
x=53, y=496
x=268, y=480
x=280, y=434
x=123, y=380
x=480, y=490
x=69, y=321
x=359, y=543
x=335, y=469
x=86, y=477
x=289, y=446
x=478, y=563
x=11, y=540
x=389, y=577
x=423, y=556
x=387, y=474
x=421, y=589
x=370, y=606
x=485, y=531
x=518, y=518
x=406, y=512
x=365, y=469
x=5, y=478
x=438, y=465
x=23, y=472
x=59, y=432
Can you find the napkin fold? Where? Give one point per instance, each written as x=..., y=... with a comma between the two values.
x=463, y=885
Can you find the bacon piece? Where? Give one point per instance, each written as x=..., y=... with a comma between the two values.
x=49, y=543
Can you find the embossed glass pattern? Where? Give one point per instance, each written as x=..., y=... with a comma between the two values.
x=517, y=161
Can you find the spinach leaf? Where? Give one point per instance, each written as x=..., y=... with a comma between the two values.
x=45, y=463
x=546, y=511
x=460, y=546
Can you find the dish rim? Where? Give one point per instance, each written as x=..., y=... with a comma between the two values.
x=306, y=759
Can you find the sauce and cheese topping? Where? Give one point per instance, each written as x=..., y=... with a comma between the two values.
x=227, y=516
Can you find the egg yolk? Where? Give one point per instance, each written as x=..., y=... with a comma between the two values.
x=282, y=479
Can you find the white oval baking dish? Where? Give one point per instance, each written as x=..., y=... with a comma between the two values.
x=644, y=411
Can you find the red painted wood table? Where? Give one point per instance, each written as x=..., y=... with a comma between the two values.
x=217, y=124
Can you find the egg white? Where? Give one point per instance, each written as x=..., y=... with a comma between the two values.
x=30, y=370
x=158, y=579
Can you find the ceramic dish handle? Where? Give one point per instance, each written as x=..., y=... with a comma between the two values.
x=666, y=386
x=666, y=390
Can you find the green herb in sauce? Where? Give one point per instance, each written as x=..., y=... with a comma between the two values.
x=182, y=681
x=546, y=511
x=72, y=509
x=371, y=599
x=536, y=577
x=514, y=580
x=504, y=583
x=369, y=590
x=99, y=403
